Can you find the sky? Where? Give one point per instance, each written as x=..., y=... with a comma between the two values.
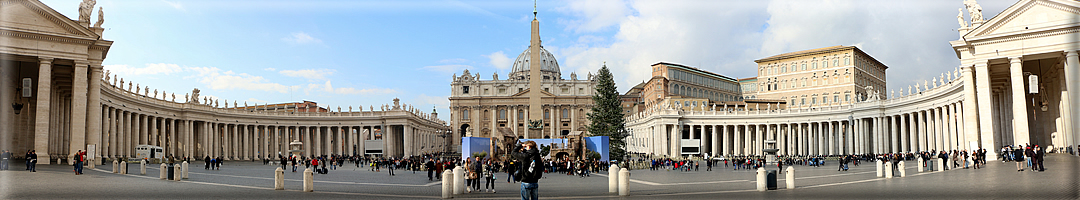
x=342, y=53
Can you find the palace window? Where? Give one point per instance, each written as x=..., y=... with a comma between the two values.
x=565, y=114
x=502, y=113
x=521, y=114
x=813, y=65
x=464, y=89
x=486, y=114
x=804, y=66
x=547, y=114
x=465, y=114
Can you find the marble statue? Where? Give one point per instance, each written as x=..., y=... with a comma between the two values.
x=901, y=91
x=206, y=100
x=137, y=89
x=573, y=76
x=495, y=76
x=146, y=92
x=186, y=97
x=926, y=86
x=872, y=95
x=194, y=96
x=589, y=76
x=114, y=80
x=85, y=8
x=372, y=108
x=917, y=89
x=234, y=105
x=245, y=104
x=339, y=109
x=935, y=82
x=100, y=18
x=129, y=86
x=174, y=97
x=107, y=76
x=396, y=104
x=350, y=108
x=216, y=103
x=960, y=18
x=974, y=10
x=155, y=93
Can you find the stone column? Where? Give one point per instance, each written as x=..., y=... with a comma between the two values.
x=737, y=142
x=986, y=121
x=1072, y=86
x=759, y=139
x=93, y=112
x=361, y=141
x=947, y=124
x=44, y=94
x=902, y=125
x=725, y=143
x=78, y=112
x=894, y=146
x=342, y=145
x=715, y=138
x=1019, y=105
x=407, y=137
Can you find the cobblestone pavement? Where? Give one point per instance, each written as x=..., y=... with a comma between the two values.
x=252, y=180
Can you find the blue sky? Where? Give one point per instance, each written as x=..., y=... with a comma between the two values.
x=352, y=53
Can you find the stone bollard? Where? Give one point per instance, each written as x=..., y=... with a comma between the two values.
x=123, y=167
x=613, y=179
x=921, y=163
x=790, y=177
x=940, y=164
x=447, y=184
x=279, y=179
x=624, y=182
x=176, y=172
x=142, y=167
x=115, y=167
x=888, y=170
x=163, y=175
x=90, y=163
x=900, y=166
x=459, y=180
x=309, y=182
x=185, y=164
x=761, y=185
x=879, y=169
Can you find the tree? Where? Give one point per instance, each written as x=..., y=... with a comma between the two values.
x=607, y=114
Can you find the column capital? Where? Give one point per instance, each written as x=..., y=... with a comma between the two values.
x=1016, y=59
x=1073, y=53
x=82, y=63
x=45, y=60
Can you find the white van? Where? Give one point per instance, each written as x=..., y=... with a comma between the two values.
x=149, y=152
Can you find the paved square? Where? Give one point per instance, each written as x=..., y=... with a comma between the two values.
x=252, y=180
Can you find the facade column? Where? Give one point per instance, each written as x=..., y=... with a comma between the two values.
x=726, y=143
x=894, y=142
x=831, y=137
x=1072, y=87
x=986, y=120
x=904, y=139
x=361, y=147
x=715, y=138
x=94, y=107
x=737, y=141
x=1019, y=107
x=407, y=138
x=78, y=117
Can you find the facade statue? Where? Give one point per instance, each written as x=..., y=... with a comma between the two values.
x=107, y=76
x=495, y=76
x=935, y=82
x=146, y=92
x=155, y=93
x=121, y=83
x=245, y=104
x=137, y=88
x=960, y=18
x=194, y=96
x=372, y=108
x=100, y=18
x=917, y=89
x=85, y=8
x=974, y=10
x=234, y=105
x=926, y=86
x=216, y=103
x=350, y=108
x=174, y=97
x=186, y=97
x=573, y=76
x=207, y=100
x=114, y=79
x=396, y=104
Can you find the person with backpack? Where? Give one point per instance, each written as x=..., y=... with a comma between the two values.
x=531, y=169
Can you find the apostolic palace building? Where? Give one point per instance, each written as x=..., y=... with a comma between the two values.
x=57, y=100
x=1016, y=85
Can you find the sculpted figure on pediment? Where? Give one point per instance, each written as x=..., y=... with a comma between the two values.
x=100, y=18
x=85, y=8
x=194, y=96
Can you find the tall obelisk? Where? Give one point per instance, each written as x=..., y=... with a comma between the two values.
x=535, y=59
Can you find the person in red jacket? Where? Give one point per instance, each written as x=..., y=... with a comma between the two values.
x=80, y=157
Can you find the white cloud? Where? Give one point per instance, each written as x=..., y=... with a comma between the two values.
x=150, y=69
x=301, y=38
x=446, y=69
x=499, y=60
x=438, y=101
x=594, y=15
x=176, y=5
x=310, y=74
x=220, y=80
x=270, y=69
x=911, y=37
x=329, y=88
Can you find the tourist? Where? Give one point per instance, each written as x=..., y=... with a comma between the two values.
x=1018, y=156
x=4, y=160
x=1030, y=153
x=430, y=165
x=80, y=157
x=476, y=169
x=489, y=176
x=31, y=161
x=1038, y=159
x=530, y=169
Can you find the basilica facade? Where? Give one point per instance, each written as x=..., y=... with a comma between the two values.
x=533, y=101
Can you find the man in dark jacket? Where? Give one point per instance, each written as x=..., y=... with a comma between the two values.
x=207, y=161
x=531, y=169
x=430, y=165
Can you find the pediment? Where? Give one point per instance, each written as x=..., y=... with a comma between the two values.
x=526, y=92
x=1030, y=15
x=35, y=17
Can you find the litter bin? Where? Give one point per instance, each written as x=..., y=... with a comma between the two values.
x=170, y=172
x=770, y=179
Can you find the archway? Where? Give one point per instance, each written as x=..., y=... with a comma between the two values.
x=464, y=129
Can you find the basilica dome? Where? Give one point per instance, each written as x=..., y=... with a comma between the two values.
x=549, y=68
